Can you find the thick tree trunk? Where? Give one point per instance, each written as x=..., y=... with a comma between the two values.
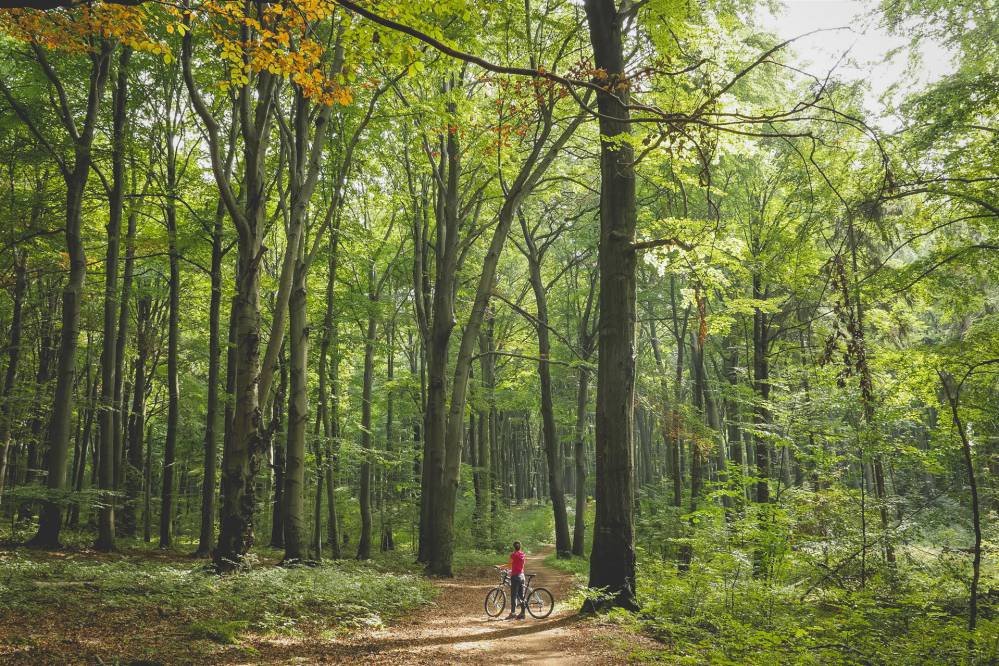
x=438, y=344
x=612, y=559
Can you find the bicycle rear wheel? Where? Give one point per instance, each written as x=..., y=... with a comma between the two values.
x=495, y=602
x=541, y=603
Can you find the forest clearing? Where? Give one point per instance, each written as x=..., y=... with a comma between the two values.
x=313, y=312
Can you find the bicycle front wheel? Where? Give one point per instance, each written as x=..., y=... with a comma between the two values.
x=495, y=602
x=541, y=603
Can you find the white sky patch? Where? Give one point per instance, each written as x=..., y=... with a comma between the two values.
x=865, y=44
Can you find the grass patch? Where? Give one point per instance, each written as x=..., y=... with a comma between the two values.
x=218, y=631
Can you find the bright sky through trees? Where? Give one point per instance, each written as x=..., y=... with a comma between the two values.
x=863, y=49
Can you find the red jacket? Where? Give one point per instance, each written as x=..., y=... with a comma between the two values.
x=516, y=563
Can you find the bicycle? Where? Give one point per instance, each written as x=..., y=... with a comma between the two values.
x=540, y=602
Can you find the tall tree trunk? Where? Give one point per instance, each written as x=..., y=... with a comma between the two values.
x=867, y=397
x=612, y=559
x=241, y=457
x=295, y=524
x=953, y=394
x=438, y=343
x=327, y=413
x=364, y=487
x=761, y=386
x=133, y=480
x=207, y=532
x=388, y=480
x=487, y=433
x=582, y=400
x=553, y=452
x=13, y=357
x=105, y=523
x=50, y=519
x=279, y=463
x=173, y=344
x=732, y=418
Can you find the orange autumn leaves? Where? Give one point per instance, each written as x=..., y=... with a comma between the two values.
x=78, y=30
x=293, y=40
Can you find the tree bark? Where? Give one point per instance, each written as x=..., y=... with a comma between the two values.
x=612, y=559
x=207, y=533
x=582, y=400
x=173, y=340
x=553, y=452
x=50, y=519
x=13, y=358
x=105, y=523
x=295, y=524
x=364, y=488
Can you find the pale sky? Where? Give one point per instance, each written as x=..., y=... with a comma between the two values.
x=865, y=43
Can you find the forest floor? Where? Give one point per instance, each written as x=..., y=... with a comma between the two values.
x=153, y=607
x=454, y=629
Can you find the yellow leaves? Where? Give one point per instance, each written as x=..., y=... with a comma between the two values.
x=73, y=30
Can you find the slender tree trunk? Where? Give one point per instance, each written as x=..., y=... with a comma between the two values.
x=582, y=400
x=953, y=397
x=761, y=386
x=13, y=357
x=105, y=531
x=121, y=396
x=327, y=412
x=364, y=491
x=133, y=480
x=388, y=540
x=487, y=429
x=173, y=344
x=279, y=463
x=732, y=416
x=147, y=496
x=553, y=452
x=295, y=525
x=207, y=533
x=867, y=395
x=50, y=519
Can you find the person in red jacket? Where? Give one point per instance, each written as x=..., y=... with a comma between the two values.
x=517, y=582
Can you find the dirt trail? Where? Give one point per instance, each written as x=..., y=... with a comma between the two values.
x=456, y=630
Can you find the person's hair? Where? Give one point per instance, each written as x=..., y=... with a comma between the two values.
x=516, y=545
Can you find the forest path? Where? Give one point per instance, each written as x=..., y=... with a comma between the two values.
x=455, y=630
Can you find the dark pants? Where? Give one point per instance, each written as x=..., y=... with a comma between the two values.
x=517, y=593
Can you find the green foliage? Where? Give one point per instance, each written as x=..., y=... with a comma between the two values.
x=785, y=585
